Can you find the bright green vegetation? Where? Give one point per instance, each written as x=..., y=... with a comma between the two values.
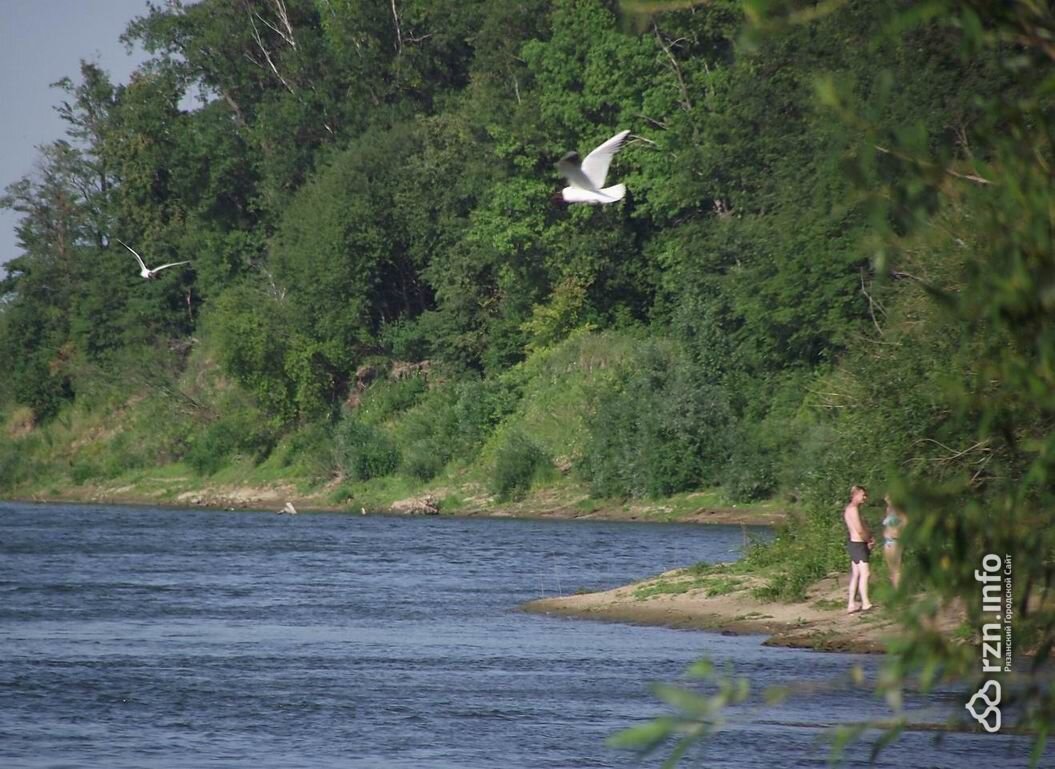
x=834, y=266
x=374, y=199
x=667, y=587
x=713, y=579
x=710, y=587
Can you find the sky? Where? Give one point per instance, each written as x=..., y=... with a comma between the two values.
x=42, y=41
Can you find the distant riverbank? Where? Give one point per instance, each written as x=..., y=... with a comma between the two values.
x=563, y=503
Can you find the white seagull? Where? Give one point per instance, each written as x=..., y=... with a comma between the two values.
x=586, y=179
x=145, y=271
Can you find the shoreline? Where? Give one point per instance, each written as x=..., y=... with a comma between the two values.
x=721, y=599
x=273, y=498
x=718, y=598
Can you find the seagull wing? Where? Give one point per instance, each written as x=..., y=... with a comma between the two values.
x=569, y=169
x=137, y=256
x=170, y=264
x=595, y=166
x=574, y=194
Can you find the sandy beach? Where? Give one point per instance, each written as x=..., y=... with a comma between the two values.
x=721, y=598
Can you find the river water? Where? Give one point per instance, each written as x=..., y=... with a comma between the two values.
x=143, y=637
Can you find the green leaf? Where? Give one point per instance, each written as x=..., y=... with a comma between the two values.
x=644, y=737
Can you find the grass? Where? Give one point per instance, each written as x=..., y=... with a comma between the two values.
x=453, y=503
x=343, y=494
x=687, y=504
x=588, y=505
x=712, y=579
x=828, y=604
x=700, y=568
x=711, y=588
x=667, y=587
x=785, y=586
x=380, y=493
x=873, y=616
x=742, y=567
x=723, y=586
x=679, y=506
x=113, y=439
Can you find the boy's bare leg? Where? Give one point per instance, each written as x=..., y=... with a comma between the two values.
x=863, y=571
x=855, y=574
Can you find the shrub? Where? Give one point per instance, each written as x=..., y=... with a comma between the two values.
x=83, y=471
x=452, y=422
x=237, y=433
x=365, y=451
x=210, y=451
x=657, y=429
x=17, y=463
x=125, y=452
x=518, y=462
x=409, y=339
x=311, y=448
x=423, y=460
x=749, y=475
x=386, y=398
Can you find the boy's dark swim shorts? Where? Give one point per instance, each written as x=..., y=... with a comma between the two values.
x=858, y=551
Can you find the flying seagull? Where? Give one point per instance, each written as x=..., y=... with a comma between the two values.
x=145, y=271
x=586, y=178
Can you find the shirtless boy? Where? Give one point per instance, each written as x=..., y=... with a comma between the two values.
x=859, y=544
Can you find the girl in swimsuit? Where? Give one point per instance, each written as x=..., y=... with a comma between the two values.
x=892, y=525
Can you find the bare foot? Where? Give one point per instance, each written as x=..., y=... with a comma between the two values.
x=853, y=609
x=867, y=608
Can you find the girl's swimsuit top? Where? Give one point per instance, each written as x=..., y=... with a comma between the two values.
x=891, y=520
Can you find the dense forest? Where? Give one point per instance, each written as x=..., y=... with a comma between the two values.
x=834, y=264
x=362, y=183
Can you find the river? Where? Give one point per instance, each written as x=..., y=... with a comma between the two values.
x=144, y=637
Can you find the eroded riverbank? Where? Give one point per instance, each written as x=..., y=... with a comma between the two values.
x=466, y=501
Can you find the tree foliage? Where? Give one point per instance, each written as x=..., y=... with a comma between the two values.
x=835, y=250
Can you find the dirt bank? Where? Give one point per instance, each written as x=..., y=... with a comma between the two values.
x=721, y=599
x=182, y=491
